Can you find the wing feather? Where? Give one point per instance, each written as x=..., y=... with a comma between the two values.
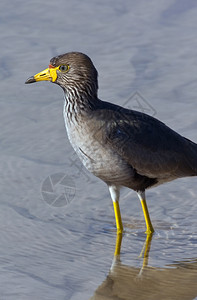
x=148, y=145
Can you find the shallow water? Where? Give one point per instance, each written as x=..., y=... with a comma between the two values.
x=62, y=248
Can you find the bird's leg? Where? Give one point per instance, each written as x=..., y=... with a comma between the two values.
x=115, y=193
x=149, y=226
x=118, y=245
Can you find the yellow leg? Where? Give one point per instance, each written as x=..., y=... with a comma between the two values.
x=149, y=226
x=118, y=217
x=118, y=244
x=115, y=193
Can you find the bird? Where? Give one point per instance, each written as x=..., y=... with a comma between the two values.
x=122, y=147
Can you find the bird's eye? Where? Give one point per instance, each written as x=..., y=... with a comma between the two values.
x=64, y=68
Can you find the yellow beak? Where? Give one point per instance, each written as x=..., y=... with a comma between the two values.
x=49, y=74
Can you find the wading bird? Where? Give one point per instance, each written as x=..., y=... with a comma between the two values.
x=120, y=146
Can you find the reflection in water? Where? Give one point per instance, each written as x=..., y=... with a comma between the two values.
x=176, y=281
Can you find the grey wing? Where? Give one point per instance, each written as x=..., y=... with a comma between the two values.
x=150, y=147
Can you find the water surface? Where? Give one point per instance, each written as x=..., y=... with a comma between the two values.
x=50, y=252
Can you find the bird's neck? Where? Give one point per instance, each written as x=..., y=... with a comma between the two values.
x=79, y=104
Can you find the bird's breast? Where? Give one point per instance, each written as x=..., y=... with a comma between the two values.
x=88, y=140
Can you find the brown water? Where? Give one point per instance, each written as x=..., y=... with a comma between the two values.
x=177, y=281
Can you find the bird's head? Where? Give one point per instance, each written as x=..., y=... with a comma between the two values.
x=73, y=71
